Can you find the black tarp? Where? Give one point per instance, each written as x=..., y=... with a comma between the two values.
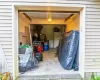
x=26, y=60
x=68, y=50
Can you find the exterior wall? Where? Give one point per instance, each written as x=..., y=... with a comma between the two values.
x=6, y=32
x=92, y=53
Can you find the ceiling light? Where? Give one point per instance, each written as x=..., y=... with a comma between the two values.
x=49, y=17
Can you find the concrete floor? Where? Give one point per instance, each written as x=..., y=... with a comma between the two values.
x=49, y=66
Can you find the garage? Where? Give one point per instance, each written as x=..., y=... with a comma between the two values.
x=47, y=29
x=89, y=53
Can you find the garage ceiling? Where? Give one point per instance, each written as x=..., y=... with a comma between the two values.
x=43, y=15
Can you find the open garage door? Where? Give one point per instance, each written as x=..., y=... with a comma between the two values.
x=62, y=16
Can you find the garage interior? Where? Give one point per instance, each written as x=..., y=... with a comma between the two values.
x=53, y=25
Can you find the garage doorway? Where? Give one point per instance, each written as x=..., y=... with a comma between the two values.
x=80, y=9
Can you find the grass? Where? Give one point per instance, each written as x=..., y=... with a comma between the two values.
x=94, y=77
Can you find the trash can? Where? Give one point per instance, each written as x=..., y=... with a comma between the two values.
x=46, y=46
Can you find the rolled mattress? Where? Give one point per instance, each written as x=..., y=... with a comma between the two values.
x=68, y=49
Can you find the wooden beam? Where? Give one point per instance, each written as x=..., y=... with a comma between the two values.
x=27, y=16
x=24, y=18
x=69, y=17
x=48, y=11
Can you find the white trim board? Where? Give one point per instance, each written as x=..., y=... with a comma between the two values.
x=16, y=7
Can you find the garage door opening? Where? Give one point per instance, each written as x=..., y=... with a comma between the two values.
x=57, y=26
x=47, y=43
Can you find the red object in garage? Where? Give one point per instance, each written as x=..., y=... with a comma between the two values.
x=39, y=49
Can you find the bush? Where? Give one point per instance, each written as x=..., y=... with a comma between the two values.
x=95, y=77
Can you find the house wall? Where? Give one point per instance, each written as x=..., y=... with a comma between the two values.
x=73, y=24
x=92, y=40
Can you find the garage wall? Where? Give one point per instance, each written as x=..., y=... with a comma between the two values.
x=73, y=24
x=48, y=30
x=92, y=53
x=45, y=21
x=23, y=23
x=53, y=37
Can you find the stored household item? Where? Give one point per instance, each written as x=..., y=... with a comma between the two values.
x=76, y=60
x=37, y=46
x=45, y=38
x=37, y=29
x=25, y=49
x=24, y=46
x=68, y=49
x=22, y=50
x=55, y=29
x=46, y=46
x=27, y=61
x=42, y=37
x=35, y=37
x=56, y=37
x=38, y=56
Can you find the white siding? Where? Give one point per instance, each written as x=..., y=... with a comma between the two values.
x=92, y=53
x=6, y=32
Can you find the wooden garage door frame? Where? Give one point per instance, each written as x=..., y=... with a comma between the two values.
x=16, y=7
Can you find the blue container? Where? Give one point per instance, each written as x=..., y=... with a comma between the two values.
x=46, y=46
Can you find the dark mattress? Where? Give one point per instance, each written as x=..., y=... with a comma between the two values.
x=68, y=50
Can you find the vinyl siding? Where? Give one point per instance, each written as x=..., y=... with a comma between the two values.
x=6, y=32
x=92, y=53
